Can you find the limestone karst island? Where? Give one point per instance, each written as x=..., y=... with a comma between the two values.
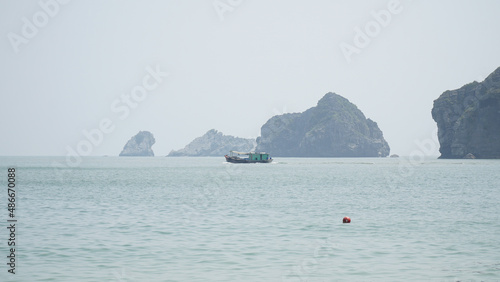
x=333, y=128
x=214, y=144
x=139, y=145
x=468, y=120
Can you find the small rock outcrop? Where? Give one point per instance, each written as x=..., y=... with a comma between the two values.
x=334, y=128
x=139, y=145
x=469, y=156
x=394, y=156
x=468, y=120
x=212, y=144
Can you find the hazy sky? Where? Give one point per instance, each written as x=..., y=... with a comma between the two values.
x=66, y=68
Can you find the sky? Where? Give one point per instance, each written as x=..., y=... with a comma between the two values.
x=88, y=75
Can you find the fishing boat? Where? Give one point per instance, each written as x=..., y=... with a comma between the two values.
x=246, y=158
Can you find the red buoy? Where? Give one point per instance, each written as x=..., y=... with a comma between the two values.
x=346, y=220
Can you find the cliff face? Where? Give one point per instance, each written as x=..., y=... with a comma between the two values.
x=334, y=128
x=139, y=145
x=468, y=119
x=214, y=143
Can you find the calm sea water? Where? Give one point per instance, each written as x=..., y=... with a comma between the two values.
x=201, y=219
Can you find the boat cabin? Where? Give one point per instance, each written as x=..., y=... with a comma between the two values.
x=251, y=157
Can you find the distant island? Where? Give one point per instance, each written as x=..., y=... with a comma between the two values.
x=214, y=143
x=468, y=120
x=139, y=145
x=334, y=128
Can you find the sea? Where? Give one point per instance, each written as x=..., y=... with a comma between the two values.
x=202, y=219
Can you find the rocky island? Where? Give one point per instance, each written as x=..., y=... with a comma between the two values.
x=139, y=145
x=468, y=120
x=334, y=128
x=214, y=143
